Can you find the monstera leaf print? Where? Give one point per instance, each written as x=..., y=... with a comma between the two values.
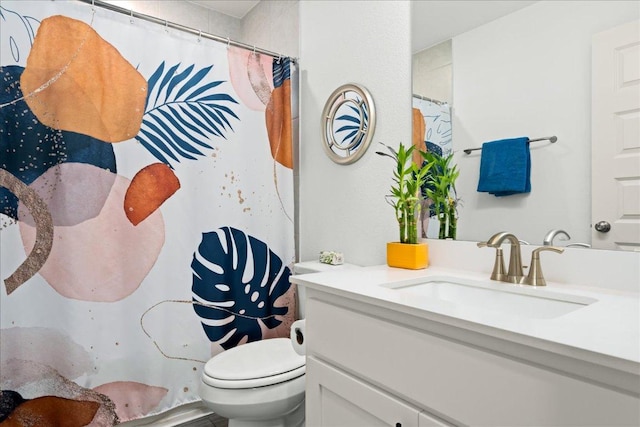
x=349, y=131
x=236, y=281
x=183, y=112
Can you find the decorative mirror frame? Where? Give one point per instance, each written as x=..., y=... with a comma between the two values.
x=360, y=129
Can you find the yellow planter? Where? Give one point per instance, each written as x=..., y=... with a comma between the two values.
x=414, y=256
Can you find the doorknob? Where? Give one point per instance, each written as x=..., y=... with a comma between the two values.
x=602, y=226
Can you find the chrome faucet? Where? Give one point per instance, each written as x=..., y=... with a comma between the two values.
x=548, y=238
x=578, y=245
x=514, y=274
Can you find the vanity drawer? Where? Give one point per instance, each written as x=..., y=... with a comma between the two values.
x=337, y=399
x=457, y=382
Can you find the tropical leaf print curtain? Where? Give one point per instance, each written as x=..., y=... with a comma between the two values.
x=146, y=205
x=437, y=121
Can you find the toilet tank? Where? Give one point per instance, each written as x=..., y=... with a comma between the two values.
x=307, y=267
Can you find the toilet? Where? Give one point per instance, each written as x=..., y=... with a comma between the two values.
x=256, y=384
x=260, y=383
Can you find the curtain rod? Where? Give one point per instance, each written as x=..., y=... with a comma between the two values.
x=186, y=29
x=425, y=98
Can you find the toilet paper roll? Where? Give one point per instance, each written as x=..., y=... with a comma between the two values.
x=298, y=338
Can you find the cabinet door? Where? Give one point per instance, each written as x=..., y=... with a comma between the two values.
x=335, y=398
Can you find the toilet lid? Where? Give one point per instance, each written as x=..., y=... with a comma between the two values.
x=255, y=364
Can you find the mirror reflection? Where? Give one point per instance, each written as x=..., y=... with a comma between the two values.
x=348, y=124
x=521, y=69
x=348, y=120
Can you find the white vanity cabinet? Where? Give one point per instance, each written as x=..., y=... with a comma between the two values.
x=371, y=364
x=342, y=400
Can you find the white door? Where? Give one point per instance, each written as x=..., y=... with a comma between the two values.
x=615, y=138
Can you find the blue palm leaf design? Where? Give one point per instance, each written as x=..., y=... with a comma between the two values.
x=236, y=281
x=200, y=90
x=348, y=132
x=184, y=111
x=176, y=80
x=153, y=80
x=165, y=80
x=203, y=120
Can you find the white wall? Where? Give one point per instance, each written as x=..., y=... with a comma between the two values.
x=432, y=72
x=342, y=208
x=273, y=25
x=187, y=14
x=270, y=25
x=529, y=74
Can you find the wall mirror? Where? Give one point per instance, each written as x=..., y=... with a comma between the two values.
x=517, y=68
x=348, y=123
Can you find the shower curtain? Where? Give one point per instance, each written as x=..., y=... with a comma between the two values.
x=146, y=205
x=437, y=119
x=431, y=132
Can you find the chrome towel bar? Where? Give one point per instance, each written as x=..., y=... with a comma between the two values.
x=551, y=139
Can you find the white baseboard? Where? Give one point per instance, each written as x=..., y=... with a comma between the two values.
x=174, y=417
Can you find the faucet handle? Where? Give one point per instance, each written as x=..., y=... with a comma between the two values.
x=535, y=277
x=578, y=245
x=536, y=252
x=499, y=272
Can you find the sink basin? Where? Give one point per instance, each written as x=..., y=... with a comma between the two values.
x=503, y=298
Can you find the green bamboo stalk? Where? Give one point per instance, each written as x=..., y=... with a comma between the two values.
x=442, y=233
x=403, y=227
x=453, y=221
x=412, y=224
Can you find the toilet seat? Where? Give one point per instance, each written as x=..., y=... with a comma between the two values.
x=256, y=364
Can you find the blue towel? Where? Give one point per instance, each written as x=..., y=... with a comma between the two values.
x=505, y=167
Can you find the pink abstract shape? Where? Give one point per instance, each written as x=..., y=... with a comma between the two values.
x=74, y=192
x=105, y=258
x=251, y=77
x=45, y=346
x=288, y=299
x=133, y=400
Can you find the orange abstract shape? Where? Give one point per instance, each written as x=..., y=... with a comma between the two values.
x=151, y=186
x=251, y=77
x=278, y=119
x=132, y=399
x=105, y=258
x=31, y=377
x=52, y=411
x=418, y=133
x=76, y=81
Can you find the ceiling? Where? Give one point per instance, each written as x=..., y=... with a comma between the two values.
x=236, y=8
x=433, y=21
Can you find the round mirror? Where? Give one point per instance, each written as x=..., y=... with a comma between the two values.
x=348, y=122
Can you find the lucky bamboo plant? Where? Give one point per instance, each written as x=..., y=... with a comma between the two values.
x=440, y=188
x=405, y=195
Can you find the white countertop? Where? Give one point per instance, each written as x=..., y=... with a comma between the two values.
x=606, y=331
